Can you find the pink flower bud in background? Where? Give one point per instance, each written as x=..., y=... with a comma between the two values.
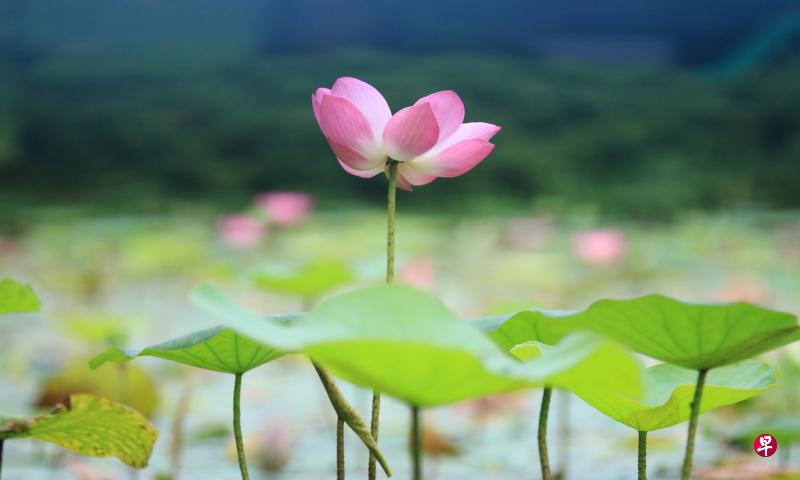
x=273, y=447
x=285, y=208
x=240, y=231
x=599, y=247
x=269, y=449
x=420, y=273
x=745, y=288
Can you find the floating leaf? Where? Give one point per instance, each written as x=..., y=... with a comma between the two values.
x=99, y=327
x=313, y=280
x=405, y=343
x=91, y=426
x=17, y=298
x=219, y=349
x=669, y=390
x=127, y=384
x=696, y=336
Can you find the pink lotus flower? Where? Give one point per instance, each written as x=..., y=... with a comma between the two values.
x=285, y=208
x=429, y=138
x=240, y=231
x=599, y=247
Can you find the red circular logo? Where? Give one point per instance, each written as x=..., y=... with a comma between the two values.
x=765, y=445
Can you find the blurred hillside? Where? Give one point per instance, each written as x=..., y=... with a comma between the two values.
x=135, y=102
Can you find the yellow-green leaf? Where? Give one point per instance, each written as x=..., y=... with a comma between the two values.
x=669, y=390
x=90, y=426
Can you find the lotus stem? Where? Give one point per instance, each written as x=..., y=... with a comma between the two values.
x=340, y=472
x=339, y=448
x=350, y=416
x=642, y=455
x=1, y=456
x=391, y=221
x=686, y=471
x=391, y=218
x=237, y=426
x=564, y=433
x=543, y=412
x=416, y=443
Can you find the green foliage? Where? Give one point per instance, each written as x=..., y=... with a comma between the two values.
x=405, y=343
x=91, y=426
x=310, y=281
x=218, y=349
x=692, y=335
x=17, y=298
x=669, y=390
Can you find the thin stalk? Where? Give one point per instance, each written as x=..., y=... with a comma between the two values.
x=642, y=455
x=339, y=448
x=1, y=456
x=391, y=221
x=416, y=443
x=543, y=412
x=340, y=472
x=564, y=433
x=686, y=471
x=350, y=416
x=237, y=426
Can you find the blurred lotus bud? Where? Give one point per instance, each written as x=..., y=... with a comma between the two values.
x=599, y=247
x=435, y=444
x=270, y=449
x=482, y=410
x=420, y=273
x=240, y=231
x=285, y=208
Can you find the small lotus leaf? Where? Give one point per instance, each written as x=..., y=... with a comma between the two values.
x=91, y=426
x=313, y=280
x=17, y=298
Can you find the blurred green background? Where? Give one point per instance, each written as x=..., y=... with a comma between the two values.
x=643, y=111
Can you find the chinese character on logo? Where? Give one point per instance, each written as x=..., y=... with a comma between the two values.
x=765, y=445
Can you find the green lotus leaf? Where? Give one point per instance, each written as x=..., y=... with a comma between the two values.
x=91, y=426
x=17, y=298
x=696, y=336
x=669, y=390
x=405, y=343
x=219, y=349
x=313, y=280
